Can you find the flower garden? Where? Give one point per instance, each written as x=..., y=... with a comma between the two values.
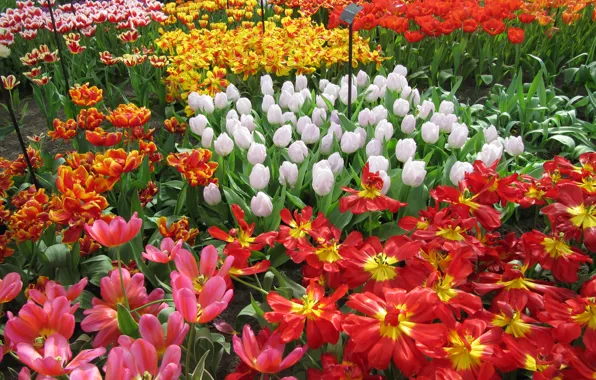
x=213, y=189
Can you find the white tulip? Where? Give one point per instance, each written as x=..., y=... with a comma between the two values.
x=311, y=134
x=244, y=106
x=231, y=125
x=221, y=100
x=384, y=131
x=336, y=163
x=301, y=82
x=415, y=97
x=344, y=80
x=288, y=87
x=4, y=50
x=321, y=103
x=288, y=118
x=362, y=79
x=446, y=107
x=447, y=122
x=350, y=142
x=380, y=113
x=413, y=173
x=323, y=84
x=336, y=130
x=261, y=205
x=198, y=124
x=405, y=92
x=378, y=163
x=305, y=93
x=426, y=108
x=334, y=118
x=408, y=124
x=327, y=143
x=266, y=80
x=405, y=150
x=490, y=134
x=401, y=107
x=194, y=100
x=212, y=194
x=303, y=122
x=243, y=137
x=332, y=89
x=206, y=105
x=298, y=152
x=372, y=93
x=257, y=153
x=386, y=182
x=380, y=81
x=223, y=145
x=319, y=115
x=284, y=99
x=248, y=121
x=374, y=148
x=490, y=153
x=514, y=145
x=283, y=136
x=343, y=94
x=288, y=174
x=274, y=114
x=267, y=89
x=458, y=171
x=259, y=177
x=396, y=82
x=401, y=70
x=323, y=181
x=366, y=118
x=361, y=132
x=268, y=101
x=232, y=114
x=458, y=136
x=321, y=165
x=430, y=132
x=207, y=137
x=232, y=93
x=296, y=102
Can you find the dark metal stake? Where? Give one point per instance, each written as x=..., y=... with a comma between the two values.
x=18, y=131
x=263, y=15
x=351, y=37
x=58, y=44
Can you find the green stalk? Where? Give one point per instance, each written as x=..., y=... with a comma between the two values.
x=191, y=340
x=121, y=278
x=249, y=285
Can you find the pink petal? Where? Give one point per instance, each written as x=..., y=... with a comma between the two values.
x=186, y=303
x=145, y=356
x=213, y=291
x=209, y=258
x=151, y=331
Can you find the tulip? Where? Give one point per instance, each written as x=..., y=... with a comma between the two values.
x=372, y=93
x=206, y=105
x=259, y=177
x=405, y=150
x=248, y=121
x=267, y=89
x=232, y=92
x=288, y=174
x=264, y=355
x=344, y=80
x=336, y=130
x=288, y=118
x=401, y=70
x=320, y=102
x=4, y=51
x=413, y=173
x=366, y=118
x=323, y=84
x=311, y=134
x=386, y=182
x=361, y=132
x=223, y=145
x=283, y=136
x=396, y=82
x=212, y=194
x=426, y=108
x=446, y=107
x=257, y=153
x=207, y=137
x=336, y=163
x=384, y=131
x=244, y=106
x=151, y=331
x=319, y=115
x=296, y=102
x=301, y=82
x=490, y=153
x=430, y=132
x=458, y=171
x=405, y=92
x=323, y=181
x=350, y=142
x=268, y=101
x=447, y=122
x=165, y=253
x=242, y=137
x=10, y=287
x=378, y=163
x=198, y=124
x=288, y=87
x=362, y=79
x=334, y=118
x=374, y=148
x=514, y=145
x=212, y=300
x=401, y=107
x=221, y=100
x=408, y=124
x=284, y=99
x=297, y=152
x=266, y=80
x=490, y=134
x=138, y=359
x=321, y=165
x=327, y=143
x=194, y=101
x=115, y=233
x=343, y=94
x=232, y=114
x=380, y=81
x=415, y=97
x=458, y=136
x=261, y=205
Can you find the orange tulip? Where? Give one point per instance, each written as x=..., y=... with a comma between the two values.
x=114, y=162
x=85, y=96
x=128, y=116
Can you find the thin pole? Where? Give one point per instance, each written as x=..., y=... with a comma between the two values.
x=351, y=36
x=58, y=44
x=262, y=15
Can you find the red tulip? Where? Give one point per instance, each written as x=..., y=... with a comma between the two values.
x=515, y=35
x=116, y=233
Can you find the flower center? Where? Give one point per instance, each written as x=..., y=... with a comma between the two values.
x=369, y=192
x=556, y=247
x=514, y=325
x=589, y=184
x=535, y=193
x=444, y=289
x=464, y=353
x=199, y=282
x=381, y=267
x=451, y=233
x=588, y=317
x=583, y=217
x=329, y=252
x=299, y=231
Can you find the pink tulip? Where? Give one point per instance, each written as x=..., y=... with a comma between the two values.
x=56, y=358
x=212, y=300
x=193, y=276
x=140, y=361
x=151, y=331
x=167, y=251
x=116, y=233
x=54, y=290
x=10, y=286
x=267, y=357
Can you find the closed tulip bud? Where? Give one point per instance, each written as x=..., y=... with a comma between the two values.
x=311, y=134
x=413, y=173
x=362, y=79
x=289, y=118
x=321, y=165
x=323, y=181
x=408, y=124
x=425, y=109
x=283, y=136
x=430, y=132
x=221, y=100
x=274, y=114
x=380, y=81
x=232, y=114
x=401, y=107
x=378, y=163
x=206, y=105
x=458, y=136
x=194, y=101
x=333, y=90
x=458, y=171
x=232, y=93
x=362, y=133
x=223, y=145
x=327, y=143
x=261, y=205
x=372, y=93
x=303, y=122
x=334, y=118
x=257, y=153
x=248, y=121
x=268, y=101
x=366, y=118
x=336, y=163
x=447, y=123
x=231, y=125
x=323, y=84
x=267, y=89
x=344, y=80
x=288, y=87
x=490, y=134
x=405, y=150
x=319, y=115
x=198, y=124
x=343, y=94
x=350, y=142
x=306, y=94
x=259, y=177
x=374, y=148
x=288, y=174
x=266, y=80
x=296, y=102
x=396, y=82
x=401, y=70
x=301, y=82
x=490, y=153
x=212, y=194
x=380, y=113
x=384, y=131
x=415, y=97
x=514, y=145
x=386, y=182
x=405, y=92
x=297, y=152
x=207, y=137
x=243, y=137
x=244, y=106
x=336, y=130
x=321, y=103
x=382, y=92
x=446, y=107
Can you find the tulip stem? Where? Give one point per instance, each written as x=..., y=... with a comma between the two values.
x=121, y=278
x=152, y=303
x=191, y=340
x=249, y=285
x=370, y=224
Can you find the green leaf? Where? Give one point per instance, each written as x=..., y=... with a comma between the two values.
x=96, y=268
x=56, y=255
x=295, y=200
x=565, y=140
x=200, y=371
x=126, y=323
x=284, y=281
x=486, y=78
